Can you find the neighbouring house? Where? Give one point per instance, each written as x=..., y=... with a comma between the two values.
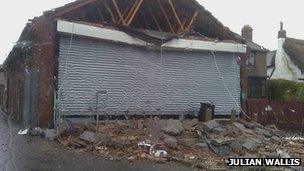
x=95, y=58
x=256, y=65
x=287, y=62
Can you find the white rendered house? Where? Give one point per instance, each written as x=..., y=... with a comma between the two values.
x=287, y=62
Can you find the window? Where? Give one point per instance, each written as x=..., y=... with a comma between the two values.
x=256, y=87
x=251, y=59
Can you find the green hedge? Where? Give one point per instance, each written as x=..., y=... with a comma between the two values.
x=284, y=90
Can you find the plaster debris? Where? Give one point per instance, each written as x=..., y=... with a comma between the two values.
x=89, y=136
x=210, y=125
x=189, y=143
x=173, y=127
x=23, y=131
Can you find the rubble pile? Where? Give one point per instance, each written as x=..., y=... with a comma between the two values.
x=189, y=142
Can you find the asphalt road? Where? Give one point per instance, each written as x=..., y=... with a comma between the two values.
x=24, y=153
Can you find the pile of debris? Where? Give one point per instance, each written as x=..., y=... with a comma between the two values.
x=189, y=142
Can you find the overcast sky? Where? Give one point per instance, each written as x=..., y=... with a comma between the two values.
x=263, y=15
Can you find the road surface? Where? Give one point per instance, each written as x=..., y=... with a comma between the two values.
x=34, y=153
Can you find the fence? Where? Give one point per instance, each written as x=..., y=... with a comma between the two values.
x=285, y=115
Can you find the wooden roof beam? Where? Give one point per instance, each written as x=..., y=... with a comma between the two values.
x=138, y=5
x=186, y=20
x=127, y=9
x=176, y=16
x=110, y=12
x=119, y=13
x=131, y=10
x=165, y=14
x=193, y=18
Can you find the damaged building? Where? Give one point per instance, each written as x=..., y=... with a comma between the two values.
x=124, y=57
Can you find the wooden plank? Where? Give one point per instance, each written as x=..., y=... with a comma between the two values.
x=165, y=14
x=110, y=12
x=176, y=16
x=192, y=21
x=135, y=12
x=130, y=5
x=185, y=21
x=118, y=12
x=131, y=10
x=127, y=9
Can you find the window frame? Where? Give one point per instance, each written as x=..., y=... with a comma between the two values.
x=252, y=55
x=257, y=87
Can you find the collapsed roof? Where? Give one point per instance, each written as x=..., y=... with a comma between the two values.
x=171, y=16
x=155, y=21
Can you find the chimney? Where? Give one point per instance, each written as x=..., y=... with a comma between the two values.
x=247, y=33
x=282, y=32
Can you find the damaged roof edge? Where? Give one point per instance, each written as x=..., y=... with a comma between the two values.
x=57, y=12
x=227, y=30
x=122, y=37
x=97, y=32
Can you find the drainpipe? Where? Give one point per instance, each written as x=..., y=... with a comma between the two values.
x=244, y=79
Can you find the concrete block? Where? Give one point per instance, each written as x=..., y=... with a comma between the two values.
x=173, y=127
x=210, y=125
x=222, y=141
x=89, y=137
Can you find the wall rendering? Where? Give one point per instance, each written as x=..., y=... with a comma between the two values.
x=284, y=66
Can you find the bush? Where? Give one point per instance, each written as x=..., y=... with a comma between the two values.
x=284, y=90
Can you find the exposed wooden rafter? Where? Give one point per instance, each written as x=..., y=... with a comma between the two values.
x=176, y=16
x=110, y=12
x=127, y=9
x=129, y=20
x=165, y=14
x=193, y=18
x=186, y=20
x=131, y=10
x=161, y=15
x=119, y=13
